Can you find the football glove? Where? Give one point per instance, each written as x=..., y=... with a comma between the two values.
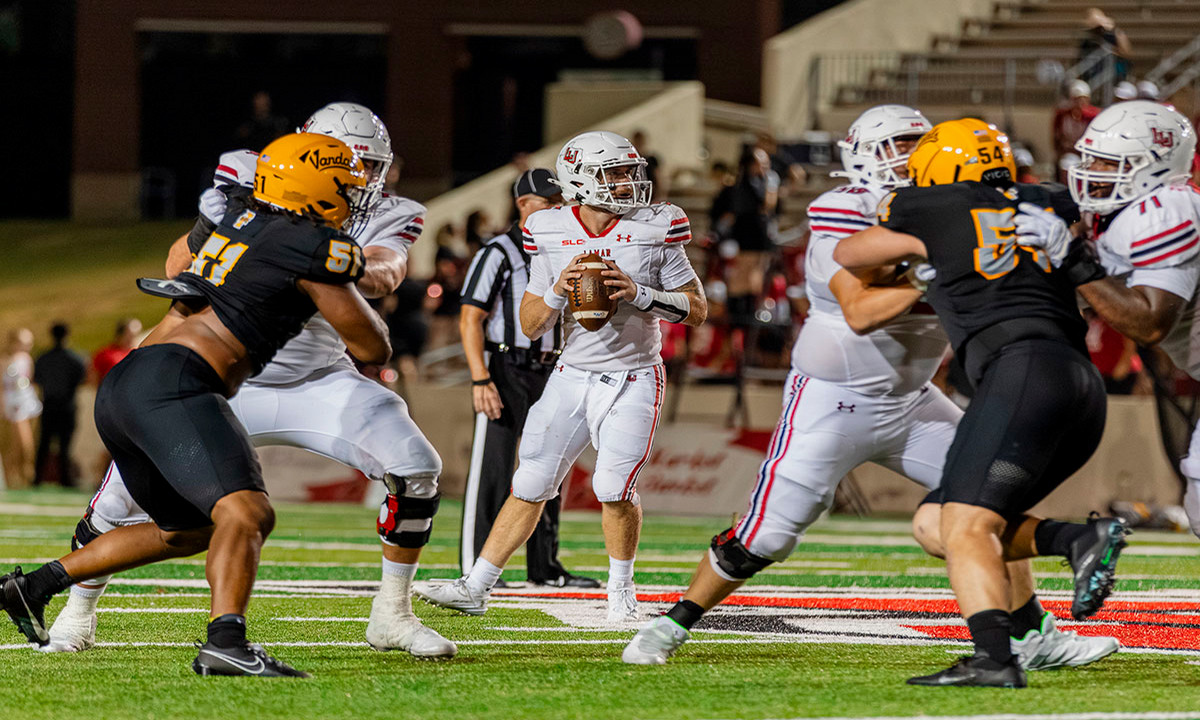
x=1042, y=229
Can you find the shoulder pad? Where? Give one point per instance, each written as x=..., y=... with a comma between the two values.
x=844, y=210
x=540, y=222
x=1159, y=230
x=236, y=168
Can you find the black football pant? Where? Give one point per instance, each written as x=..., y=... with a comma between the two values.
x=520, y=385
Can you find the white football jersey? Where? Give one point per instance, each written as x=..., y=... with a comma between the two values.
x=646, y=243
x=1155, y=242
x=395, y=224
x=896, y=359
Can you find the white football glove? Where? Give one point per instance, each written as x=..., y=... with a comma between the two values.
x=920, y=275
x=1042, y=229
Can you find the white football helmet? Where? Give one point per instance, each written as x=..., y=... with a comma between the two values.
x=1151, y=145
x=583, y=166
x=869, y=151
x=366, y=135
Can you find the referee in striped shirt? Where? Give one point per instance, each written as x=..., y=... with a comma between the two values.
x=508, y=372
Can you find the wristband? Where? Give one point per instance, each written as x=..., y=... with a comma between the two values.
x=643, y=298
x=481, y=383
x=554, y=300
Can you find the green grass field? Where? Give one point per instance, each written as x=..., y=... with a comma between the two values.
x=834, y=632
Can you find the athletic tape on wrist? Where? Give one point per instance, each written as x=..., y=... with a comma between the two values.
x=554, y=300
x=670, y=306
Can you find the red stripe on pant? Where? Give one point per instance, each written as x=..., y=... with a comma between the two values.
x=630, y=483
x=774, y=464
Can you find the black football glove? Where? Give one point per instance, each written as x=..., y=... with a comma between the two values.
x=1081, y=264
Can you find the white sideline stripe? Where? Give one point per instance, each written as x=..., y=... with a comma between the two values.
x=1057, y=716
x=163, y=611
x=583, y=641
x=43, y=510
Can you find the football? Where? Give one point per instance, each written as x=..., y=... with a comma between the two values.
x=588, y=300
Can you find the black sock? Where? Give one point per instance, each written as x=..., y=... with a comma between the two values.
x=686, y=613
x=1054, y=538
x=227, y=631
x=990, y=630
x=1027, y=617
x=47, y=581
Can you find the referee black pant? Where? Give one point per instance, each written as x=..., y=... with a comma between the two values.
x=520, y=384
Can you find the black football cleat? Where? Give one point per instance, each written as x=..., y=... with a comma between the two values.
x=249, y=659
x=569, y=580
x=975, y=671
x=1093, y=557
x=26, y=613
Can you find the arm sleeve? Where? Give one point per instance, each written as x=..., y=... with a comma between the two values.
x=676, y=270
x=541, y=275
x=199, y=233
x=485, y=276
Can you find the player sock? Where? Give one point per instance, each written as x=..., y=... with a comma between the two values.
x=1054, y=538
x=47, y=581
x=686, y=613
x=990, y=630
x=1027, y=617
x=396, y=588
x=620, y=572
x=228, y=630
x=483, y=577
x=86, y=595
x=398, y=570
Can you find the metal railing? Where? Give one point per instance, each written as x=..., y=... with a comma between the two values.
x=1188, y=54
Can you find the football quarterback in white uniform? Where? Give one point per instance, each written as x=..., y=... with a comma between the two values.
x=859, y=391
x=310, y=396
x=1133, y=178
x=608, y=386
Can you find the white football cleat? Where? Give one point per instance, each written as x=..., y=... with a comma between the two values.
x=622, y=605
x=655, y=643
x=453, y=596
x=391, y=628
x=74, y=630
x=1051, y=648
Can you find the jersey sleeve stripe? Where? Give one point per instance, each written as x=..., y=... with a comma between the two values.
x=1173, y=230
x=678, y=238
x=226, y=170
x=847, y=221
x=832, y=229
x=529, y=247
x=1164, y=256
x=1164, y=244
x=680, y=221
x=839, y=211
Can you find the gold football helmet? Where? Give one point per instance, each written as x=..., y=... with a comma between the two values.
x=960, y=150
x=315, y=176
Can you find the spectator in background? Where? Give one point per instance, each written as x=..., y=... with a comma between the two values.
x=21, y=406
x=479, y=230
x=263, y=126
x=1070, y=120
x=404, y=311
x=747, y=216
x=59, y=372
x=1147, y=90
x=1103, y=36
x=1114, y=355
x=1124, y=90
x=660, y=181
x=1023, y=159
x=124, y=340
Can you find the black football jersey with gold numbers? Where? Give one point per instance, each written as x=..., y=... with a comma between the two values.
x=248, y=266
x=984, y=276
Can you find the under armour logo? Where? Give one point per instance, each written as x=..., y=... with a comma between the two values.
x=624, y=238
x=843, y=407
x=1165, y=139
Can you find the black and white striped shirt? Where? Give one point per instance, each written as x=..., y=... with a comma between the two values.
x=496, y=283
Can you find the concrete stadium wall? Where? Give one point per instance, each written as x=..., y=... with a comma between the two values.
x=1130, y=463
x=673, y=118
x=858, y=26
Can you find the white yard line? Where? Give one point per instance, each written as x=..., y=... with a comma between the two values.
x=1057, y=716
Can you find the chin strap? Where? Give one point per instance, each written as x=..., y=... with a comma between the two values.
x=670, y=306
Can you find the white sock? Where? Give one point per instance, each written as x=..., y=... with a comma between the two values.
x=395, y=569
x=396, y=588
x=620, y=572
x=483, y=577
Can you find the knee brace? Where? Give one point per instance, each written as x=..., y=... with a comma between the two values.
x=85, y=532
x=406, y=516
x=732, y=560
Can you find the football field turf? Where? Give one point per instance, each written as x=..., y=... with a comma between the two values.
x=833, y=632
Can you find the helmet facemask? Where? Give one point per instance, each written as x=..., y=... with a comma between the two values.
x=625, y=191
x=875, y=162
x=361, y=200
x=1121, y=181
x=377, y=168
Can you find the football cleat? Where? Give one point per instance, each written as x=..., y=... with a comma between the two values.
x=249, y=659
x=568, y=580
x=74, y=630
x=1049, y=647
x=975, y=671
x=655, y=643
x=1094, y=560
x=453, y=596
x=393, y=629
x=26, y=613
x=622, y=605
